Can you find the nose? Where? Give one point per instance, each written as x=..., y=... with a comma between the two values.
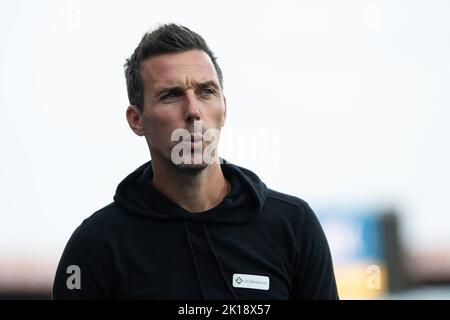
x=192, y=110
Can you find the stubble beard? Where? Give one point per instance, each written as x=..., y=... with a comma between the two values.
x=192, y=168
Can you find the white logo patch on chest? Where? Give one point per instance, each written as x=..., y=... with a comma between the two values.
x=251, y=281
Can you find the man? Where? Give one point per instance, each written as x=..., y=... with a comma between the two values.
x=187, y=224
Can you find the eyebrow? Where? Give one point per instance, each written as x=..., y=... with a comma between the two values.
x=178, y=88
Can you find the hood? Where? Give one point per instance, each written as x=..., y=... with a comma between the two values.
x=136, y=195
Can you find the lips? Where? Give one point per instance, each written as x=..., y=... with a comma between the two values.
x=196, y=138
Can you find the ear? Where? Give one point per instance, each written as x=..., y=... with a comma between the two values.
x=224, y=117
x=134, y=119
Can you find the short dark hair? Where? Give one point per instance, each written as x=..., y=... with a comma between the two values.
x=166, y=38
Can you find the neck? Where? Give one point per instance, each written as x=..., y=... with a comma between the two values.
x=194, y=190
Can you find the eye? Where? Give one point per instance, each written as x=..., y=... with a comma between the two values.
x=208, y=91
x=170, y=96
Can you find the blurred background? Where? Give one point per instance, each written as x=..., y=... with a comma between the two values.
x=342, y=103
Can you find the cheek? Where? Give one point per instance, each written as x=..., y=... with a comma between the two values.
x=158, y=128
x=219, y=115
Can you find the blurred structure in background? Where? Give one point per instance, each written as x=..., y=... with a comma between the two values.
x=370, y=262
x=356, y=242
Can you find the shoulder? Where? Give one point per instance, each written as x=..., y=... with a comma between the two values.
x=294, y=210
x=107, y=213
x=288, y=204
x=108, y=220
x=286, y=199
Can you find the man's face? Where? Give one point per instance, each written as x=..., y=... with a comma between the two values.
x=180, y=88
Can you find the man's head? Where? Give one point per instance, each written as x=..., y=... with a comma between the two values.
x=174, y=83
x=166, y=39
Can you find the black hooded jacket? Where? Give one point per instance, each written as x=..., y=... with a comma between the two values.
x=256, y=244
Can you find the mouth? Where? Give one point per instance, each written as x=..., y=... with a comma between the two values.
x=195, y=138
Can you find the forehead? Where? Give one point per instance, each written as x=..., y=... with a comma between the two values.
x=177, y=69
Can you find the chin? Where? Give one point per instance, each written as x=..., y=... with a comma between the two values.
x=191, y=168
